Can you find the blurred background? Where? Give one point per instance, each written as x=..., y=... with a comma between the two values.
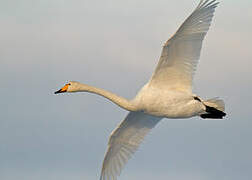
x=115, y=45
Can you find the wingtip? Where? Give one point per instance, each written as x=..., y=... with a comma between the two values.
x=207, y=3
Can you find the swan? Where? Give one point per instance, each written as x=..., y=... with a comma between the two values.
x=168, y=93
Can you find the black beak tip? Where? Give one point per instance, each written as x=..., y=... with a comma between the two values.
x=57, y=92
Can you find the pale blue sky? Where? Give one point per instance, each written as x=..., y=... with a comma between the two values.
x=115, y=45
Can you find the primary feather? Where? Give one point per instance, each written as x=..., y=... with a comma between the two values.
x=181, y=53
x=124, y=141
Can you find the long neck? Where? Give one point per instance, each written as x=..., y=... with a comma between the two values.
x=120, y=101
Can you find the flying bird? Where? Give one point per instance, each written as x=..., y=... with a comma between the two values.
x=168, y=93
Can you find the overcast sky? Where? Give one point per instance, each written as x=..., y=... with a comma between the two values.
x=115, y=45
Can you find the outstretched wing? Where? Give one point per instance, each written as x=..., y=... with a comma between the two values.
x=181, y=53
x=124, y=141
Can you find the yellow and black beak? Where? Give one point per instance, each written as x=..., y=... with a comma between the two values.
x=62, y=90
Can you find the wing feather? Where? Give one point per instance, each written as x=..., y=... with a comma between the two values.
x=124, y=141
x=181, y=53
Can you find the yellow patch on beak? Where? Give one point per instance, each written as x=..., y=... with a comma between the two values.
x=64, y=89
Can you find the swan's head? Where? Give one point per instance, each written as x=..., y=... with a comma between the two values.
x=72, y=86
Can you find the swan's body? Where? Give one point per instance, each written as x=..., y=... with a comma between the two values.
x=167, y=103
x=168, y=94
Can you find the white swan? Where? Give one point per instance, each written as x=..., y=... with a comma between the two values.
x=168, y=94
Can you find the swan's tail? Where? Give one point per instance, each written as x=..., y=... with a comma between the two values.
x=214, y=109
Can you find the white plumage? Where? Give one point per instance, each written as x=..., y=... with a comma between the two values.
x=124, y=141
x=168, y=94
x=181, y=52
